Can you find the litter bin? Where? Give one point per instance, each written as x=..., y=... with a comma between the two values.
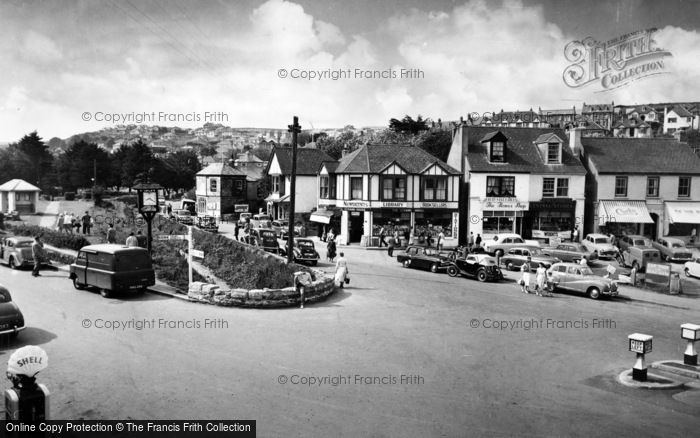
x=675, y=287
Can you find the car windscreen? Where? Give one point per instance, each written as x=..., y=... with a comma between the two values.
x=640, y=242
x=24, y=244
x=305, y=244
x=600, y=240
x=536, y=252
x=677, y=245
x=268, y=234
x=132, y=262
x=431, y=252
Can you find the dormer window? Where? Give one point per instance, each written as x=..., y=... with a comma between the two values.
x=498, y=151
x=553, y=153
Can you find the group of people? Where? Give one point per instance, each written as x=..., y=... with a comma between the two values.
x=525, y=282
x=68, y=222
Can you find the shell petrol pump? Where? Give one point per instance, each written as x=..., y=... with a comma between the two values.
x=27, y=400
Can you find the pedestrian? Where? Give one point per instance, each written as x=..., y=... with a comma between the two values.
x=541, y=280
x=440, y=240
x=141, y=239
x=575, y=234
x=429, y=239
x=525, y=276
x=330, y=250
x=397, y=237
x=331, y=235
x=477, y=241
x=59, y=223
x=111, y=234
x=341, y=271
x=693, y=235
x=382, y=235
x=583, y=261
x=68, y=221
x=612, y=239
x=235, y=231
x=76, y=224
x=86, y=220
x=390, y=246
x=470, y=241
x=411, y=237
x=39, y=254
x=132, y=241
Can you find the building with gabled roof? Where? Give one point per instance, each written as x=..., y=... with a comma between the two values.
x=219, y=188
x=18, y=195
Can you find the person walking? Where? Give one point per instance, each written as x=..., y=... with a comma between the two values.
x=390, y=246
x=382, y=235
x=59, y=223
x=541, y=280
x=470, y=241
x=440, y=240
x=39, y=254
x=477, y=241
x=583, y=261
x=132, y=241
x=341, y=270
x=330, y=250
x=525, y=276
x=111, y=234
x=86, y=220
x=575, y=234
x=68, y=221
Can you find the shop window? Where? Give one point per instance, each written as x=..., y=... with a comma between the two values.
x=434, y=188
x=356, y=187
x=213, y=185
x=683, y=186
x=653, y=187
x=431, y=223
x=274, y=184
x=500, y=186
x=621, y=186
x=393, y=188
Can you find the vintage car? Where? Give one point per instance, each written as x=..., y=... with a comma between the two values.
x=480, y=266
x=600, y=245
x=265, y=238
x=281, y=228
x=305, y=251
x=637, y=257
x=515, y=257
x=501, y=243
x=576, y=278
x=184, y=217
x=692, y=269
x=672, y=249
x=11, y=318
x=569, y=252
x=244, y=218
x=625, y=242
x=420, y=257
x=207, y=223
x=16, y=252
x=549, y=231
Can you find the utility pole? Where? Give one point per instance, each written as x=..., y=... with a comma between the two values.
x=295, y=129
x=94, y=176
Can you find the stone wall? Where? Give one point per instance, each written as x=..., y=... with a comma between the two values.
x=320, y=288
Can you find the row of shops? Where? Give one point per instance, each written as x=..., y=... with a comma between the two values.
x=648, y=218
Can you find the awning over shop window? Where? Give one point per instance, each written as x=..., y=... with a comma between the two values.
x=634, y=212
x=274, y=200
x=683, y=212
x=321, y=216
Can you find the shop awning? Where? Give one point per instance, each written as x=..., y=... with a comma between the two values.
x=274, y=199
x=634, y=212
x=321, y=216
x=683, y=212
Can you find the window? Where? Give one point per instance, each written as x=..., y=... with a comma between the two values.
x=356, y=187
x=503, y=186
x=393, y=188
x=562, y=186
x=498, y=151
x=275, y=184
x=684, y=186
x=238, y=186
x=548, y=187
x=553, y=153
x=325, y=187
x=621, y=186
x=653, y=187
x=213, y=184
x=672, y=120
x=435, y=188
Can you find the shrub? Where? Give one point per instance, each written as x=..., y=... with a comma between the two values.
x=54, y=238
x=170, y=264
x=69, y=196
x=130, y=200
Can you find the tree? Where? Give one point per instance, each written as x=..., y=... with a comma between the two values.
x=31, y=156
x=136, y=163
x=334, y=146
x=408, y=125
x=81, y=162
x=177, y=170
x=207, y=151
x=437, y=143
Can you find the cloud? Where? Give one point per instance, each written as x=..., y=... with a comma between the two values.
x=40, y=48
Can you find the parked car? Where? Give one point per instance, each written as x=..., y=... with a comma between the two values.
x=638, y=256
x=244, y=218
x=600, y=245
x=546, y=232
x=672, y=249
x=625, y=242
x=112, y=268
x=420, y=257
x=16, y=252
x=11, y=318
x=207, y=223
x=570, y=252
x=576, y=278
x=281, y=227
x=515, y=257
x=184, y=217
x=692, y=269
x=480, y=266
x=261, y=221
x=305, y=251
x=265, y=238
x=501, y=243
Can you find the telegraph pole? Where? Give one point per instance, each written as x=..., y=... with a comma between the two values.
x=295, y=129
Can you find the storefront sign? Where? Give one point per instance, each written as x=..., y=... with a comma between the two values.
x=432, y=204
x=354, y=204
x=393, y=204
x=455, y=224
x=242, y=208
x=504, y=204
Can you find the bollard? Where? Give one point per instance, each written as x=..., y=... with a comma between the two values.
x=641, y=344
x=26, y=401
x=691, y=333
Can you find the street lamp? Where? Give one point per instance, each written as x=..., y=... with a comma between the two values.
x=148, y=205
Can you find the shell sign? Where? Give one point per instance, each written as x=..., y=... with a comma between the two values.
x=28, y=361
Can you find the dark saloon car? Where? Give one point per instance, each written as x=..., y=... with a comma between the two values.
x=575, y=278
x=480, y=266
x=516, y=257
x=265, y=238
x=16, y=252
x=305, y=251
x=570, y=252
x=420, y=257
x=11, y=318
x=625, y=242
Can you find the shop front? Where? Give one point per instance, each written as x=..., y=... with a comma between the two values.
x=498, y=215
x=278, y=207
x=683, y=220
x=625, y=218
x=550, y=219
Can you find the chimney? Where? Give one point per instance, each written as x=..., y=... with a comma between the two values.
x=345, y=151
x=575, y=141
x=458, y=148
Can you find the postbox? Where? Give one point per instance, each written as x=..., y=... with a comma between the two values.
x=640, y=344
x=26, y=401
x=691, y=333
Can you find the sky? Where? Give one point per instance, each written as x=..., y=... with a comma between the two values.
x=72, y=66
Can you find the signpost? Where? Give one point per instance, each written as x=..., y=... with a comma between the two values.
x=198, y=253
x=148, y=206
x=657, y=274
x=641, y=344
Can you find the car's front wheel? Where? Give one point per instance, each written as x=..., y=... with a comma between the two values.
x=407, y=263
x=452, y=271
x=594, y=293
x=106, y=293
x=481, y=275
x=78, y=285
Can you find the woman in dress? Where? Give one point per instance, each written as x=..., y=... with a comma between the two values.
x=330, y=249
x=525, y=278
x=341, y=270
x=541, y=279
